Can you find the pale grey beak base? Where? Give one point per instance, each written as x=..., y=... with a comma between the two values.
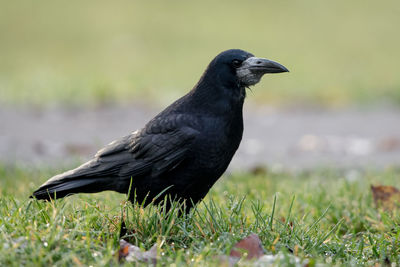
x=254, y=68
x=265, y=65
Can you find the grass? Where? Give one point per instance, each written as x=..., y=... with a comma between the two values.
x=96, y=53
x=324, y=216
x=99, y=52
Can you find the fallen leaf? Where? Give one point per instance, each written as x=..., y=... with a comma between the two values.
x=386, y=197
x=133, y=253
x=250, y=248
x=251, y=245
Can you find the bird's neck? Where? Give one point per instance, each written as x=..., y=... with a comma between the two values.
x=217, y=98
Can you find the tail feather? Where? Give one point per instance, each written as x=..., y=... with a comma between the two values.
x=99, y=174
x=79, y=180
x=73, y=186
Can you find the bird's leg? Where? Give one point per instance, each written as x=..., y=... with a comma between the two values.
x=123, y=230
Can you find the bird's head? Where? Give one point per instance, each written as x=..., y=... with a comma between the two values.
x=242, y=67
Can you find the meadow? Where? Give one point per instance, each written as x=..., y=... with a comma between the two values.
x=95, y=53
x=320, y=216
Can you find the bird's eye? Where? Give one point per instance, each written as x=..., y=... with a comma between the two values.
x=236, y=63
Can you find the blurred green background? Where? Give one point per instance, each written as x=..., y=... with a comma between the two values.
x=99, y=52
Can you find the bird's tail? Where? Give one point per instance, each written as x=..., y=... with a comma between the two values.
x=73, y=182
x=70, y=187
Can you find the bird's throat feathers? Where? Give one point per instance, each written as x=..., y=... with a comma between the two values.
x=214, y=95
x=221, y=82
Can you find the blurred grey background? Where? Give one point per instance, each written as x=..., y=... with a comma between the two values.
x=76, y=75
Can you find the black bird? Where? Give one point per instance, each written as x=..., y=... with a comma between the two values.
x=183, y=150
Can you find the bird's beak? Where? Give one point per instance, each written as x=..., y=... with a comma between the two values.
x=253, y=68
x=262, y=66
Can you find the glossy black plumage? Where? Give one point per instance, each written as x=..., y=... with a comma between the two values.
x=185, y=148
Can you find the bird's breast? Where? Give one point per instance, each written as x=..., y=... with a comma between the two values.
x=218, y=142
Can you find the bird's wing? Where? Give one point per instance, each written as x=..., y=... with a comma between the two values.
x=159, y=151
x=157, y=148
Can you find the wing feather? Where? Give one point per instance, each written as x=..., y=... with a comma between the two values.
x=158, y=148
